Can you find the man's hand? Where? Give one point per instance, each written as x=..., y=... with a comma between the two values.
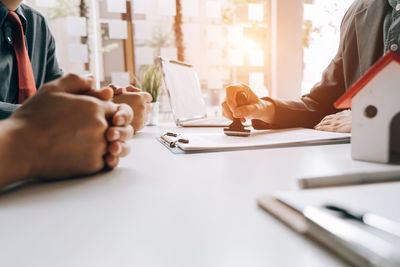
x=139, y=101
x=120, y=129
x=256, y=108
x=62, y=133
x=339, y=122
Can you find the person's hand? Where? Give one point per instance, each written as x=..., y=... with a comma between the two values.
x=256, y=108
x=61, y=132
x=339, y=122
x=120, y=129
x=139, y=101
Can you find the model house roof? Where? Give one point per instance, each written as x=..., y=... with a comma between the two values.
x=345, y=100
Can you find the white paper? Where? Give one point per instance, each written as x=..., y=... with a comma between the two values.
x=213, y=9
x=257, y=83
x=235, y=34
x=214, y=34
x=120, y=78
x=169, y=53
x=256, y=12
x=116, y=6
x=258, y=139
x=76, y=26
x=256, y=58
x=235, y=57
x=142, y=6
x=167, y=7
x=46, y=3
x=78, y=53
x=143, y=30
x=117, y=29
x=190, y=8
x=144, y=56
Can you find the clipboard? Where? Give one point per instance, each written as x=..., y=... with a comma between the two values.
x=357, y=243
x=218, y=142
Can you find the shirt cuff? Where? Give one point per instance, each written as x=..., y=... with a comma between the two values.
x=7, y=109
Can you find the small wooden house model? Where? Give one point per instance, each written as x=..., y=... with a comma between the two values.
x=375, y=104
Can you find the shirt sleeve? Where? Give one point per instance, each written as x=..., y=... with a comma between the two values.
x=310, y=109
x=7, y=109
x=53, y=70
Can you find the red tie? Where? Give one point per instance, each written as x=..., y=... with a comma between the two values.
x=26, y=79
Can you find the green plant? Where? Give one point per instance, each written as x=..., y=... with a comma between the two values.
x=308, y=31
x=150, y=81
x=161, y=38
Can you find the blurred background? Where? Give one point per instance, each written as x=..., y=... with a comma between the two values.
x=278, y=47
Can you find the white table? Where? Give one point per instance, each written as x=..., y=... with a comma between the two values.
x=163, y=209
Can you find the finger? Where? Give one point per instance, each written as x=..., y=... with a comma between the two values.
x=123, y=116
x=139, y=124
x=231, y=92
x=116, y=89
x=113, y=86
x=119, y=133
x=114, y=148
x=126, y=149
x=226, y=111
x=105, y=94
x=245, y=111
x=119, y=149
x=133, y=89
x=110, y=109
x=147, y=97
x=325, y=128
x=73, y=83
x=111, y=161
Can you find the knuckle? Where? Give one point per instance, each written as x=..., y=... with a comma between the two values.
x=100, y=124
x=72, y=77
x=129, y=131
x=92, y=104
x=140, y=107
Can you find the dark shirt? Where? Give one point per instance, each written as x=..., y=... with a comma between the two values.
x=41, y=49
x=391, y=32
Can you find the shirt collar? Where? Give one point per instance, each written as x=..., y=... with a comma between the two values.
x=393, y=3
x=21, y=15
x=4, y=13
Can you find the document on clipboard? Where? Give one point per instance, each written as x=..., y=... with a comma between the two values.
x=214, y=142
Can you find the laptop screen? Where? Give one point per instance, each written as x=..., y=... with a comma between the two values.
x=183, y=85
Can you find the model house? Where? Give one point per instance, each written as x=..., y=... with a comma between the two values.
x=375, y=103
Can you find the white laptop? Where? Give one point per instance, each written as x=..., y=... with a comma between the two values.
x=184, y=91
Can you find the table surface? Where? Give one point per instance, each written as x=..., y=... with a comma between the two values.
x=164, y=209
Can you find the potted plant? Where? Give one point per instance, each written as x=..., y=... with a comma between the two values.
x=150, y=82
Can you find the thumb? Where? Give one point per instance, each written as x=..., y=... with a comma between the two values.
x=110, y=109
x=245, y=111
x=102, y=94
x=133, y=89
x=75, y=84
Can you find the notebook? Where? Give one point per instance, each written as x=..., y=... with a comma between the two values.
x=357, y=243
x=213, y=142
x=185, y=96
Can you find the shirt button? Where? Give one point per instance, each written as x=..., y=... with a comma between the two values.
x=394, y=47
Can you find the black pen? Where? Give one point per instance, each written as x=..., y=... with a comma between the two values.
x=369, y=219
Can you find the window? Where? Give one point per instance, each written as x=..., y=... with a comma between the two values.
x=321, y=35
